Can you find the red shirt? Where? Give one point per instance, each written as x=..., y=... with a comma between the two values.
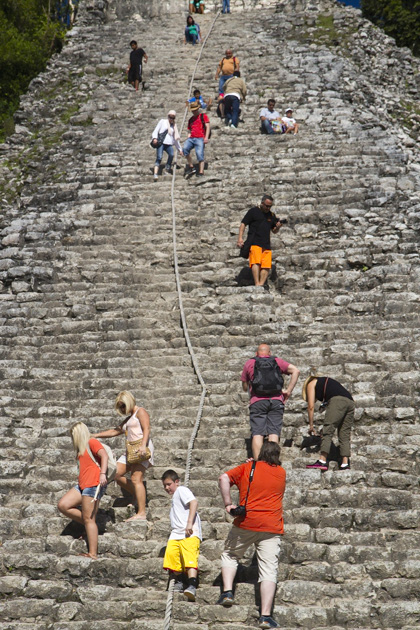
x=264, y=509
x=248, y=375
x=196, y=125
x=88, y=471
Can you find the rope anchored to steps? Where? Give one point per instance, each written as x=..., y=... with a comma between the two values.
x=169, y=601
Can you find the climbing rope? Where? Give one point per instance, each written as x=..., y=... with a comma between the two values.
x=169, y=601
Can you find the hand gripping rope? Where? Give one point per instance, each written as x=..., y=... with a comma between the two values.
x=169, y=601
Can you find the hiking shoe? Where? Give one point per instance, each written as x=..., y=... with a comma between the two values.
x=190, y=593
x=267, y=622
x=226, y=599
x=178, y=586
x=189, y=170
x=320, y=466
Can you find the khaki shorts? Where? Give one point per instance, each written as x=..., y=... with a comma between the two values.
x=181, y=555
x=260, y=256
x=267, y=547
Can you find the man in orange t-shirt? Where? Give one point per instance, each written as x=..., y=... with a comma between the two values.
x=262, y=525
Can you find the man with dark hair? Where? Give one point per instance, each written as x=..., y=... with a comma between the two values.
x=269, y=117
x=262, y=376
x=261, y=221
x=135, y=69
x=261, y=487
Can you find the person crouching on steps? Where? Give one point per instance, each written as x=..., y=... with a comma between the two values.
x=183, y=546
x=86, y=493
x=339, y=415
x=137, y=427
x=164, y=137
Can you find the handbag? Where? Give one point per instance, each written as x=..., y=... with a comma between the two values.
x=161, y=137
x=133, y=455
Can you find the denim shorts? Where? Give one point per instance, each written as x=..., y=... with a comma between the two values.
x=90, y=492
x=197, y=144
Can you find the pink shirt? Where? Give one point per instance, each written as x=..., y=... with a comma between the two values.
x=248, y=374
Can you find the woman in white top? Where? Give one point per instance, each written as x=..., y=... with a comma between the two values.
x=168, y=127
x=136, y=426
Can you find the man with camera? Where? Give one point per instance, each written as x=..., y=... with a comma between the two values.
x=259, y=521
x=261, y=221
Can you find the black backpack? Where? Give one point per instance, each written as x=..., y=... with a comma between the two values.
x=204, y=125
x=268, y=379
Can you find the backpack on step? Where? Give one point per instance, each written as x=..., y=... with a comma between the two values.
x=268, y=379
x=112, y=463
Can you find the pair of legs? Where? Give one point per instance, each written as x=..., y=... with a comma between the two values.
x=260, y=263
x=198, y=145
x=134, y=486
x=339, y=415
x=191, y=37
x=134, y=77
x=267, y=547
x=266, y=127
x=199, y=8
x=222, y=81
x=294, y=129
x=169, y=149
x=266, y=418
x=226, y=6
x=232, y=110
x=69, y=506
x=181, y=556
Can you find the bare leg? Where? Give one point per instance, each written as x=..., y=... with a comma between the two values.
x=263, y=276
x=228, y=575
x=68, y=505
x=201, y=167
x=257, y=442
x=192, y=573
x=255, y=269
x=267, y=591
x=323, y=456
x=156, y=170
x=273, y=437
x=345, y=460
x=89, y=511
x=137, y=474
x=136, y=85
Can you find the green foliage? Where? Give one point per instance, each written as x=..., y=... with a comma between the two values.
x=399, y=18
x=29, y=37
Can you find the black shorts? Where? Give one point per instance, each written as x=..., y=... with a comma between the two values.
x=266, y=417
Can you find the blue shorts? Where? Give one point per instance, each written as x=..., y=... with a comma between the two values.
x=197, y=144
x=90, y=492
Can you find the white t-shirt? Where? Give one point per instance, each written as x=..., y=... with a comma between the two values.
x=288, y=121
x=269, y=115
x=179, y=514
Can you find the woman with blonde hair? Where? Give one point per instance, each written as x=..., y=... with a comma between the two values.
x=339, y=415
x=93, y=464
x=136, y=426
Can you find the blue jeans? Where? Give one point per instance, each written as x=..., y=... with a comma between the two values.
x=90, y=492
x=226, y=6
x=223, y=79
x=192, y=38
x=159, y=154
x=197, y=144
x=232, y=109
x=266, y=127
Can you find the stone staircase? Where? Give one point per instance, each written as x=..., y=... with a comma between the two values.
x=89, y=307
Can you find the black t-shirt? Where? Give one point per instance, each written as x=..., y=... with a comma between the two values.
x=334, y=388
x=136, y=57
x=260, y=225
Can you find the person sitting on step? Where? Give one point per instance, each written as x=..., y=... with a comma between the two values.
x=270, y=118
x=196, y=6
x=290, y=122
x=197, y=98
x=192, y=32
x=81, y=503
x=183, y=546
x=136, y=426
x=339, y=415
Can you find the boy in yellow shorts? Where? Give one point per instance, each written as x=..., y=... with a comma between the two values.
x=183, y=546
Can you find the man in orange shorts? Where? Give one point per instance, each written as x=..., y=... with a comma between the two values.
x=261, y=221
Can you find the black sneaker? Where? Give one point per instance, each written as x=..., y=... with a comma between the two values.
x=189, y=171
x=226, y=599
x=267, y=622
x=318, y=465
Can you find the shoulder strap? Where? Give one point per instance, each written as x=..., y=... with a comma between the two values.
x=92, y=456
x=325, y=388
x=251, y=477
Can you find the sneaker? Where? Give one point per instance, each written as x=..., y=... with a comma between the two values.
x=267, y=622
x=190, y=593
x=155, y=177
x=167, y=171
x=190, y=170
x=226, y=599
x=178, y=586
x=320, y=466
x=344, y=467
x=233, y=126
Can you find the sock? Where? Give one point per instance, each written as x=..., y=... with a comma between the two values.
x=192, y=582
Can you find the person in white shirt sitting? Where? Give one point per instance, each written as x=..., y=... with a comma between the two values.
x=270, y=118
x=290, y=122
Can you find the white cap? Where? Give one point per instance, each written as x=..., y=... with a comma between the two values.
x=172, y=113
